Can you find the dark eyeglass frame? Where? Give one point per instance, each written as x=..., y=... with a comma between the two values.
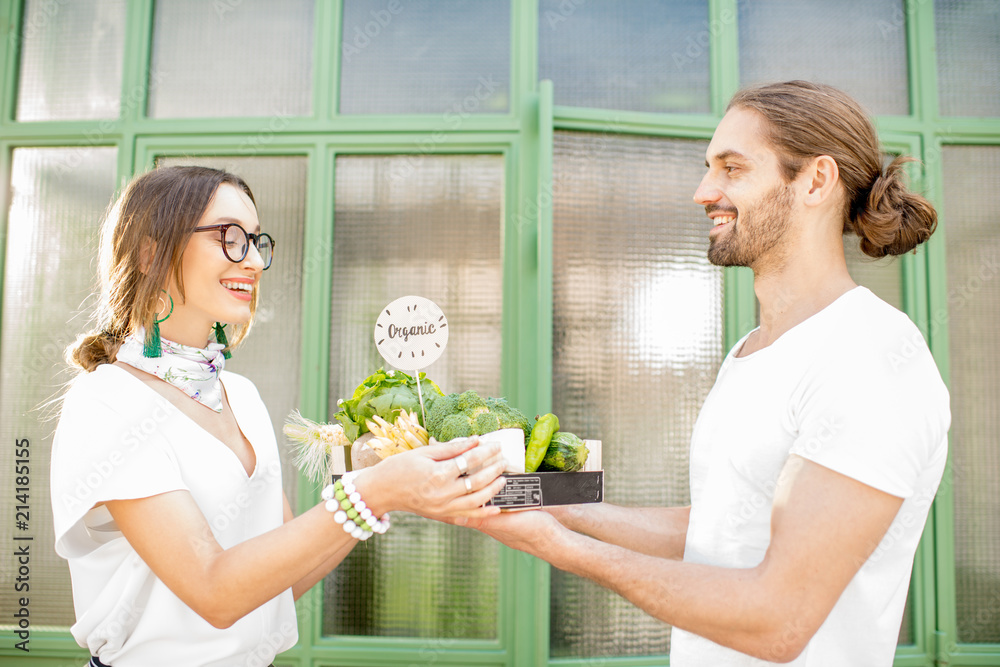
x=251, y=238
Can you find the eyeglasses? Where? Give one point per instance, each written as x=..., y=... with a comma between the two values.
x=236, y=242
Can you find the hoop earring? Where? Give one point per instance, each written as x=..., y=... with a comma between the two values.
x=220, y=337
x=151, y=346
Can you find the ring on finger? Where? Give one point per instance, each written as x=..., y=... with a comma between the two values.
x=468, y=485
x=463, y=465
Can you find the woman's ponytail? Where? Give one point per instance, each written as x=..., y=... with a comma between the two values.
x=93, y=349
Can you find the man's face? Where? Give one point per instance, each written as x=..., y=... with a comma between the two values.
x=744, y=194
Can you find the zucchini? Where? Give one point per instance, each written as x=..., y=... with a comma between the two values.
x=566, y=453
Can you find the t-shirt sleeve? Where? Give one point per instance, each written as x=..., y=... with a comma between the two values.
x=106, y=449
x=876, y=413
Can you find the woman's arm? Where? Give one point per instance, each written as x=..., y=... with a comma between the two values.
x=172, y=536
x=300, y=587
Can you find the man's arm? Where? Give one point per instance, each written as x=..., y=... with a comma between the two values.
x=654, y=531
x=824, y=525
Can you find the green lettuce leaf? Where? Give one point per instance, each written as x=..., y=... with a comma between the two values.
x=384, y=393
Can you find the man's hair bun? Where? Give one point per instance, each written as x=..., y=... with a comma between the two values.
x=889, y=218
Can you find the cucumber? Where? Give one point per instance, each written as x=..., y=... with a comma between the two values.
x=566, y=453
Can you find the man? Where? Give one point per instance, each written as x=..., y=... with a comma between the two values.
x=832, y=413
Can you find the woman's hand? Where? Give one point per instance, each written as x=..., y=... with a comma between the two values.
x=429, y=481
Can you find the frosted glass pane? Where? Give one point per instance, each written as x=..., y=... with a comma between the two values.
x=858, y=46
x=968, y=48
x=906, y=629
x=71, y=59
x=641, y=55
x=271, y=354
x=882, y=276
x=445, y=57
x=972, y=197
x=637, y=327
x=59, y=196
x=432, y=227
x=246, y=58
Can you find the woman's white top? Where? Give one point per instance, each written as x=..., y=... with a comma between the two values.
x=119, y=439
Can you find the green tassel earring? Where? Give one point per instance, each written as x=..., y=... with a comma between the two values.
x=151, y=346
x=220, y=337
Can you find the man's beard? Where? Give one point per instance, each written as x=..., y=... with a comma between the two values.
x=756, y=232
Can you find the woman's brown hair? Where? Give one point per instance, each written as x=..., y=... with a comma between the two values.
x=143, y=239
x=805, y=120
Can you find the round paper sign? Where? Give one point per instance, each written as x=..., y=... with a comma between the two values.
x=411, y=333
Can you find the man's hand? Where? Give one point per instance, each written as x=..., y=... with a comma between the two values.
x=532, y=531
x=824, y=527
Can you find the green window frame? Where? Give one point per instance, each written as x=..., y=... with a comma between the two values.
x=524, y=137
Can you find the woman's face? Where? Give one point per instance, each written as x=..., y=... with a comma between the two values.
x=216, y=289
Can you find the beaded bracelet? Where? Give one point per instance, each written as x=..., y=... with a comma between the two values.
x=343, y=499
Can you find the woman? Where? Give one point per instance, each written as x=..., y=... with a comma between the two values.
x=166, y=482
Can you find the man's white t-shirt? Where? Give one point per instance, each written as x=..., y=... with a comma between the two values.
x=119, y=439
x=855, y=389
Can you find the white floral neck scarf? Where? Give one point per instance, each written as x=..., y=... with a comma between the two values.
x=193, y=370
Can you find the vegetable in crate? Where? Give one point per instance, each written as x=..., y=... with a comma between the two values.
x=386, y=394
x=538, y=442
x=461, y=415
x=313, y=445
x=405, y=434
x=566, y=453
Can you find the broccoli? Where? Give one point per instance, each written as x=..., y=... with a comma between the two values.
x=486, y=422
x=455, y=426
x=469, y=401
x=438, y=410
x=461, y=415
x=509, y=417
